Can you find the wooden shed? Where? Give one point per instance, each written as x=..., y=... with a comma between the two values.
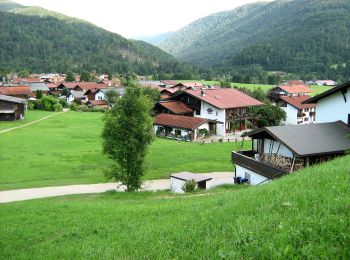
x=11, y=108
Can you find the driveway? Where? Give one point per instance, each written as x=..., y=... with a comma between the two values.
x=46, y=192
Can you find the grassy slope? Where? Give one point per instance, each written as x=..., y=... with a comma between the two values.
x=30, y=116
x=304, y=215
x=66, y=149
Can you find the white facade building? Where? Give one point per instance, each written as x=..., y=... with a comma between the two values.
x=296, y=112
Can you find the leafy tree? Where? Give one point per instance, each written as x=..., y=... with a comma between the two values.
x=111, y=96
x=39, y=94
x=70, y=77
x=126, y=135
x=268, y=114
x=65, y=92
x=85, y=76
x=23, y=73
x=152, y=94
x=225, y=84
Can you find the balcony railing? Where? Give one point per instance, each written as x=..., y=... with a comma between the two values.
x=247, y=160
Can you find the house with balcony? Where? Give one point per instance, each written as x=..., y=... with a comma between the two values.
x=289, y=90
x=333, y=105
x=280, y=150
x=226, y=108
x=296, y=112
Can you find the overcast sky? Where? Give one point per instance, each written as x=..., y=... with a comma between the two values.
x=133, y=18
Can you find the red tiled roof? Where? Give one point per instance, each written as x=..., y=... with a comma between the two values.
x=184, y=122
x=91, y=85
x=295, y=89
x=98, y=102
x=176, y=107
x=151, y=85
x=15, y=90
x=69, y=85
x=17, y=80
x=294, y=82
x=297, y=101
x=169, y=90
x=51, y=85
x=224, y=98
x=169, y=82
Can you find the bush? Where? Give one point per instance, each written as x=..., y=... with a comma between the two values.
x=63, y=102
x=57, y=107
x=203, y=132
x=84, y=108
x=47, y=103
x=74, y=106
x=189, y=186
x=30, y=105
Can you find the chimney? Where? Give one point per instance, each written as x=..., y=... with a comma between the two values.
x=202, y=92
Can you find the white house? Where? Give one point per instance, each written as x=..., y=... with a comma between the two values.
x=297, y=113
x=326, y=83
x=279, y=150
x=333, y=105
x=225, y=106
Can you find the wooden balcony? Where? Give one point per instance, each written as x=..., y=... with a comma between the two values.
x=246, y=159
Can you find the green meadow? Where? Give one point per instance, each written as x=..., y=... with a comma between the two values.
x=301, y=216
x=67, y=149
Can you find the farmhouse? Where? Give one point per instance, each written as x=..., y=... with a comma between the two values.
x=288, y=90
x=16, y=91
x=179, y=127
x=297, y=113
x=280, y=150
x=11, y=108
x=225, y=106
x=333, y=104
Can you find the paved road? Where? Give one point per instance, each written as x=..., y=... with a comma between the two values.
x=46, y=192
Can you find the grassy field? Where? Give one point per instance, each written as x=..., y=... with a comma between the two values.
x=66, y=149
x=301, y=216
x=315, y=88
x=30, y=116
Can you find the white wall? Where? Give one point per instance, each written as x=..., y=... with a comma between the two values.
x=176, y=185
x=292, y=113
x=217, y=114
x=100, y=96
x=255, y=178
x=283, y=150
x=220, y=181
x=333, y=108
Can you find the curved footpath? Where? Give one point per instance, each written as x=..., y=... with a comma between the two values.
x=46, y=192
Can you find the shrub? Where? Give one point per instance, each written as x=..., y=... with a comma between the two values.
x=203, y=132
x=30, y=105
x=189, y=186
x=47, y=103
x=63, y=102
x=57, y=107
x=74, y=106
x=84, y=108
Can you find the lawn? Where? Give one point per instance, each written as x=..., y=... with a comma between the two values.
x=66, y=149
x=301, y=216
x=318, y=89
x=30, y=116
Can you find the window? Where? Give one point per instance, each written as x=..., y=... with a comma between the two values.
x=99, y=98
x=217, y=113
x=198, y=112
x=306, y=110
x=210, y=111
x=177, y=132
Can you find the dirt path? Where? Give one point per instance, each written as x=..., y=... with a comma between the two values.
x=46, y=192
x=30, y=123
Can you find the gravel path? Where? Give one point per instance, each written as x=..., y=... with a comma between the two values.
x=46, y=192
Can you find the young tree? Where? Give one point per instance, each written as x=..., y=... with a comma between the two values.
x=39, y=94
x=70, y=77
x=111, y=97
x=126, y=135
x=268, y=115
x=85, y=76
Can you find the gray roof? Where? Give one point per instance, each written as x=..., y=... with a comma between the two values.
x=310, y=139
x=34, y=86
x=12, y=99
x=77, y=94
x=121, y=91
x=187, y=176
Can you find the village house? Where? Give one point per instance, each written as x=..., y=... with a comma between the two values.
x=325, y=83
x=226, y=108
x=100, y=94
x=179, y=127
x=11, y=108
x=333, y=104
x=16, y=91
x=279, y=150
x=288, y=90
x=297, y=113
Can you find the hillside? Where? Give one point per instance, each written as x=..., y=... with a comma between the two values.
x=41, y=40
x=155, y=39
x=283, y=35
x=301, y=216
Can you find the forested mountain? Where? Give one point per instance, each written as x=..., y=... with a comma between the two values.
x=155, y=39
x=40, y=40
x=300, y=36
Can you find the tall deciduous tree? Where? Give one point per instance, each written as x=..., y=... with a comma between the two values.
x=127, y=134
x=85, y=76
x=70, y=77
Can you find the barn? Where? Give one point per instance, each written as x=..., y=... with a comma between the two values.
x=11, y=108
